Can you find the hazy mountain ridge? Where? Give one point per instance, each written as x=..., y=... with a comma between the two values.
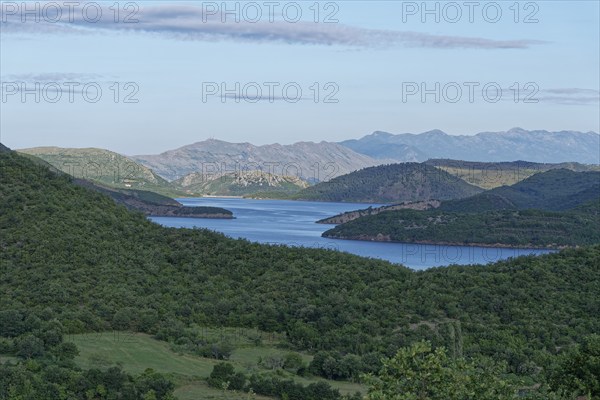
x=515, y=144
x=307, y=160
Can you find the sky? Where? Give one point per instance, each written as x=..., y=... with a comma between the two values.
x=145, y=77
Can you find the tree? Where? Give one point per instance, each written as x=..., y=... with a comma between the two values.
x=66, y=351
x=30, y=346
x=293, y=362
x=421, y=373
x=578, y=371
x=220, y=374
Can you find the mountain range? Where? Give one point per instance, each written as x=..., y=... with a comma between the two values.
x=309, y=161
x=515, y=144
x=317, y=162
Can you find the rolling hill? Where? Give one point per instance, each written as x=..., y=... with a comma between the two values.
x=392, y=183
x=105, y=167
x=489, y=175
x=557, y=190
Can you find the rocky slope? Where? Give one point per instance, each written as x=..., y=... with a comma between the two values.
x=239, y=184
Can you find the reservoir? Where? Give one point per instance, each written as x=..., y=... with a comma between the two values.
x=292, y=223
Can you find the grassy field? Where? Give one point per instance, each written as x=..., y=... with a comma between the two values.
x=136, y=352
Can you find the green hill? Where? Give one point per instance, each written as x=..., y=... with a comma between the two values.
x=104, y=167
x=391, y=184
x=489, y=175
x=552, y=190
x=73, y=261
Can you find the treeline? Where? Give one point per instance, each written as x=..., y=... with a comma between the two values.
x=97, y=266
x=223, y=376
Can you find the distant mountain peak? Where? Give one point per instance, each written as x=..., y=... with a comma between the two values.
x=435, y=132
x=516, y=129
x=380, y=134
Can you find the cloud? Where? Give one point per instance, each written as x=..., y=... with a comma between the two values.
x=183, y=22
x=570, y=96
x=52, y=77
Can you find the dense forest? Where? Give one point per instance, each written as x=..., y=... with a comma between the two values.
x=390, y=183
x=74, y=261
x=519, y=228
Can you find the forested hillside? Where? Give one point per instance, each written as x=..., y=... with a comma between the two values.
x=391, y=183
x=514, y=228
x=73, y=261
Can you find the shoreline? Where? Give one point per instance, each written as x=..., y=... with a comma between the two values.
x=457, y=244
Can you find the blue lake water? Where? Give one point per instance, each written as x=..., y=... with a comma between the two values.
x=292, y=223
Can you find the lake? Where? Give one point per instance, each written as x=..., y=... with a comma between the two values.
x=292, y=223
